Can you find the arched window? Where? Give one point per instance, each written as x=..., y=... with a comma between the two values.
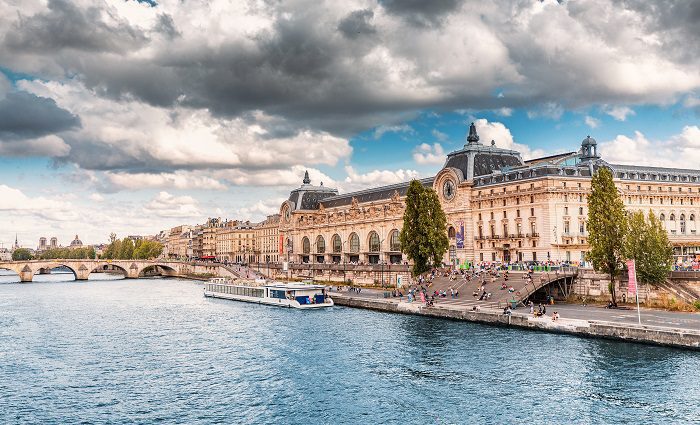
x=394, y=241
x=354, y=242
x=306, y=245
x=682, y=218
x=320, y=245
x=692, y=217
x=337, y=243
x=451, y=232
x=374, y=242
x=662, y=217
x=672, y=217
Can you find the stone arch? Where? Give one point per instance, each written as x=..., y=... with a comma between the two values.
x=165, y=269
x=451, y=232
x=320, y=245
x=106, y=266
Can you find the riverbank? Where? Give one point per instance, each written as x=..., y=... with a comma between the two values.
x=656, y=335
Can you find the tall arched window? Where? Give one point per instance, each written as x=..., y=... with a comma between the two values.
x=672, y=217
x=682, y=219
x=374, y=242
x=337, y=243
x=451, y=232
x=320, y=245
x=394, y=241
x=306, y=245
x=692, y=217
x=662, y=217
x=354, y=242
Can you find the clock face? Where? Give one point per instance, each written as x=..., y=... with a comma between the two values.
x=448, y=189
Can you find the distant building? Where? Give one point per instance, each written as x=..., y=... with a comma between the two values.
x=53, y=243
x=76, y=243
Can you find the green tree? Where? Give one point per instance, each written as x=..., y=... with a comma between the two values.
x=126, y=249
x=21, y=254
x=646, y=241
x=424, y=235
x=606, y=227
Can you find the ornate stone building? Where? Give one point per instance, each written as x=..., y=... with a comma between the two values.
x=499, y=207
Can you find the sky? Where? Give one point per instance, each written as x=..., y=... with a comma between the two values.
x=133, y=116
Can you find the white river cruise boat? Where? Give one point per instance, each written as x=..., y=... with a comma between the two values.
x=293, y=295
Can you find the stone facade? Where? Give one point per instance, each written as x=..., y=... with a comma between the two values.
x=499, y=208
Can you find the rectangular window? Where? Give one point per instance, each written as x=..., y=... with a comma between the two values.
x=534, y=256
x=517, y=213
x=532, y=212
x=493, y=256
x=505, y=215
x=580, y=210
x=481, y=256
x=566, y=210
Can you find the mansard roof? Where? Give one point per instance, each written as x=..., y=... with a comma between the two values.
x=308, y=196
x=374, y=194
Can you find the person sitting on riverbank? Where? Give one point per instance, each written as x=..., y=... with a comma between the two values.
x=503, y=286
x=555, y=316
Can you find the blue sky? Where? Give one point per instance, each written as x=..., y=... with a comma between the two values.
x=145, y=116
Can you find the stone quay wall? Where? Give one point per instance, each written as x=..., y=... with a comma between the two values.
x=594, y=329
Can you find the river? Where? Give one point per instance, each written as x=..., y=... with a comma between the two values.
x=155, y=350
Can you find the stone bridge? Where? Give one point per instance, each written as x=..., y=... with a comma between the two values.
x=132, y=269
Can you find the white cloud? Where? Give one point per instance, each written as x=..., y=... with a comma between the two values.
x=170, y=206
x=620, y=113
x=504, y=112
x=592, y=122
x=501, y=134
x=97, y=197
x=287, y=178
x=383, y=129
x=691, y=101
x=14, y=201
x=439, y=135
x=551, y=110
x=175, y=180
x=429, y=154
x=678, y=151
x=260, y=209
x=356, y=181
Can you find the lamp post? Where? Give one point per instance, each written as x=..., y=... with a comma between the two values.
x=313, y=255
x=556, y=244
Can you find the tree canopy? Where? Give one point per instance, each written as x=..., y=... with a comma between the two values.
x=647, y=243
x=21, y=254
x=606, y=227
x=68, y=253
x=127, y=249
x=424, y=235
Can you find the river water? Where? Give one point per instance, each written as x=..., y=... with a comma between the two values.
x=156, y=351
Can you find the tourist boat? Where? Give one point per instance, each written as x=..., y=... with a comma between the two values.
x=292, y=295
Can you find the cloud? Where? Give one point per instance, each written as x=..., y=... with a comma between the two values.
x=501, y=134
x=51, y=146
x=260, y=209
x=170, y=206
x=551, y=110
x=678, y=151
x=429, y=154
x=504, y=112
x=422, y=13
x=96, y=197
x=439, y=135
x=592, y=122
x=357, y=24
x=25, y=115
x=356, y=181
x=383, y=129
x=14, y=201
x=620, y=113
x=176, y=180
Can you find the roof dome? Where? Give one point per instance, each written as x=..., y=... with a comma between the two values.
x=588, y=141
x=76, y=242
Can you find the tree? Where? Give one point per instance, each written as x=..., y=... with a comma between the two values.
x=606, y=227
x=21, y=254
x=646, y=241
x=424, y=235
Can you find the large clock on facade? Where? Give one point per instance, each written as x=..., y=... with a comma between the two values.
x=448, y=189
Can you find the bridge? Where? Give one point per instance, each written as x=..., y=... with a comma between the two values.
x=132, y=269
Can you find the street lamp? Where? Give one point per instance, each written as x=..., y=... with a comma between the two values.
x=344, y=279
x=556, y=245
x=313, y=255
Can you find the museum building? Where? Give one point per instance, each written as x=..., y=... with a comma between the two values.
x=499, y=208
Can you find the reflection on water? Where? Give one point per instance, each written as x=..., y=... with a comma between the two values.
x=156, y=350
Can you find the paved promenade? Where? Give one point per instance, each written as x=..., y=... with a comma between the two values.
x=598, y=313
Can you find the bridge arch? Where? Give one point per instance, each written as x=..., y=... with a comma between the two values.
x=165, y=270
x=103, y=267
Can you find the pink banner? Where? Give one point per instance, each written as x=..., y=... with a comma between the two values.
x=632, y=276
